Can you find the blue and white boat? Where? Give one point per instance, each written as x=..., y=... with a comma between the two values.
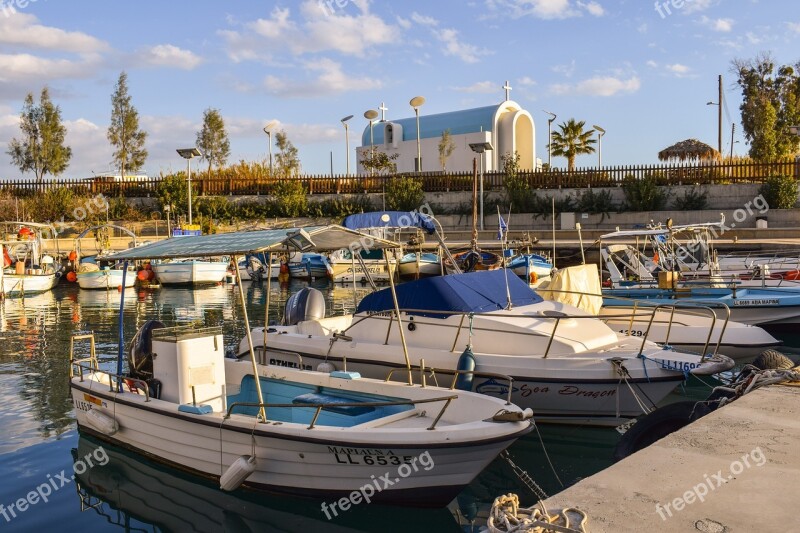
x=311, y=266
x=534, y=268
x=762, y=306
x=420, y=265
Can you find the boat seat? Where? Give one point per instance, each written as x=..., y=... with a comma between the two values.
x=332, y=403
x=325, y=326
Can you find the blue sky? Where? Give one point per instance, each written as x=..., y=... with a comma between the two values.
x=642, y=75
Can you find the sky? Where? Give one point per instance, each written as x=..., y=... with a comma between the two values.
x=642, y=70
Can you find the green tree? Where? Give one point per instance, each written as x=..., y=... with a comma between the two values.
x=572, y=141
x=446, y=148
x=41, y=148
x=404, y=193
x=212, y=139
x=376, y=162
x=287, y=158
x=770, y=106
x=123, y=132
x=780, y=192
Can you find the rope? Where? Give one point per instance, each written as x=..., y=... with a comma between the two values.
x=507, y=516
x=757, y=380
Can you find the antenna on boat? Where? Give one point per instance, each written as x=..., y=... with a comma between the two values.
x=502, y=234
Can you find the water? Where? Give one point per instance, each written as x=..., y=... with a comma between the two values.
x=39, y=443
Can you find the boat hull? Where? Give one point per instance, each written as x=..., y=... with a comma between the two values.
x=105, y=279
x=18, y=285
x=428, y=265
x=191, y=272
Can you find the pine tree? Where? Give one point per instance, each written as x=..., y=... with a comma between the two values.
x=42, y=147
x=124, y=133
x=212, y=140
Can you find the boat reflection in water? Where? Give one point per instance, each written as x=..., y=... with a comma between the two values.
x=135, y=494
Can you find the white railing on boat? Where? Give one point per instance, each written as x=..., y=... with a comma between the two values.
x=90, y=365
x=558, y=316
x=456, y=373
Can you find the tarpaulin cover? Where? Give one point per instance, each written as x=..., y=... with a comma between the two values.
x=390, y=219
x=475, y=292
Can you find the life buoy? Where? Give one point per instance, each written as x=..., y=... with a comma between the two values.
x=7, y=262
x=73, y=255
x=534, y=277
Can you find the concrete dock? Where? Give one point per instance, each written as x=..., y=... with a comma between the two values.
x=736, y=469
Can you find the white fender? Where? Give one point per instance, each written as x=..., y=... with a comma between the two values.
x=101, y=422
x=235, y=475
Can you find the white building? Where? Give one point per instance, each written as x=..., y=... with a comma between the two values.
x=506, y=126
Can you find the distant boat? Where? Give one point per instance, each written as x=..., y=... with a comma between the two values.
x=92, y=273
x=419, y=265
x=26, y=269
x=533, y=268
x=190, y=271
x=251, y=268
x=311, y=266
x=473, y=261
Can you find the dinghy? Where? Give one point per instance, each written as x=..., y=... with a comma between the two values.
x=276, y=424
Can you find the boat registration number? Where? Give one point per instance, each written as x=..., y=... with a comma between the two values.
x=757, y=301
x=87, y=402
x=681, y=366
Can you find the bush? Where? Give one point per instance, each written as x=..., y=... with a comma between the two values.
x=519, y=195
x=120, y=209
x=173, y=191
x=643, y=194
x=215, y=207
x=543, y=206
x=404, y=193
x=597, y=203
x=694, y=199
x=290, y=198
x=55, y=204
x=780, y=192
x=339, y=207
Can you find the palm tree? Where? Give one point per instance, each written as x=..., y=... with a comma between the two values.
x=572, y=141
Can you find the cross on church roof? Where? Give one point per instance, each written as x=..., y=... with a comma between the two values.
x=383, y=109
x=507, y=87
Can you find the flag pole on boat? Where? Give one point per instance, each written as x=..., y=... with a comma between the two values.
x=261, y=412
x=121, y=335
x=268, y=267
x=502, y=233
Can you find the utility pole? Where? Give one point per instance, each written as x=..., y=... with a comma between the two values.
x=719, y=126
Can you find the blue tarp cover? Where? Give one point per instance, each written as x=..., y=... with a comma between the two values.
x=478, y=292
x=391, y=219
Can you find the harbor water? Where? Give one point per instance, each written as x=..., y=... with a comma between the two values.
x=97, y=487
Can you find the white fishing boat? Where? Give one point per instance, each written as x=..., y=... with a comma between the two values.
x=685, y=326
x=249, y=422
x=567, y=365
x=26, y=268
x=190, y=271
x=95, y=274
x=251, y=268
x=416, y=265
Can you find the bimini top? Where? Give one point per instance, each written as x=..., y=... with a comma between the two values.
x=475, y=292
x=390, y=219
x=318, y=238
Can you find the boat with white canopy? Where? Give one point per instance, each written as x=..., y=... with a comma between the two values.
x=95, y=273
x=267, y=425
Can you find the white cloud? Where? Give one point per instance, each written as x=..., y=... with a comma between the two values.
x=598, y=86
x=453, y=46
x=403, y=23
x=719, y=25
x=794, y=26
x=168, y=55
x=481, y=87
x=424, y=20
x=34, y=69
x=543, y=9
x=526, y=81
x=679, y=70
x=566, y=70
x=593, y=8
x=330, y=79
x=652, y=64
x=695, y=6
x=22, y=30
x=316, y=30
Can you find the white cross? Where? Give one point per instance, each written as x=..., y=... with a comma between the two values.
x=383, y=109
x=507, y=87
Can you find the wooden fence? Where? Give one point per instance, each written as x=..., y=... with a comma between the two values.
x=707, y=174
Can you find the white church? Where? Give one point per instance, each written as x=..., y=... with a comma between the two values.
x=506, y=127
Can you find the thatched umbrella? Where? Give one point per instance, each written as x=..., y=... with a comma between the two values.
x=689, y=150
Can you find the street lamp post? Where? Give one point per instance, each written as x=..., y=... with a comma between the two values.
x=167, y=209
x=481, y=148
x=550, y=137
x=347, y=141
x=268, y=131
x=371, y=115
x=718, y=103
x=416, y=102
x=600, y=133
x=188, y=154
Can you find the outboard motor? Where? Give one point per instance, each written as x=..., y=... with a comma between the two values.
x=306, y=304
x=140, y=356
